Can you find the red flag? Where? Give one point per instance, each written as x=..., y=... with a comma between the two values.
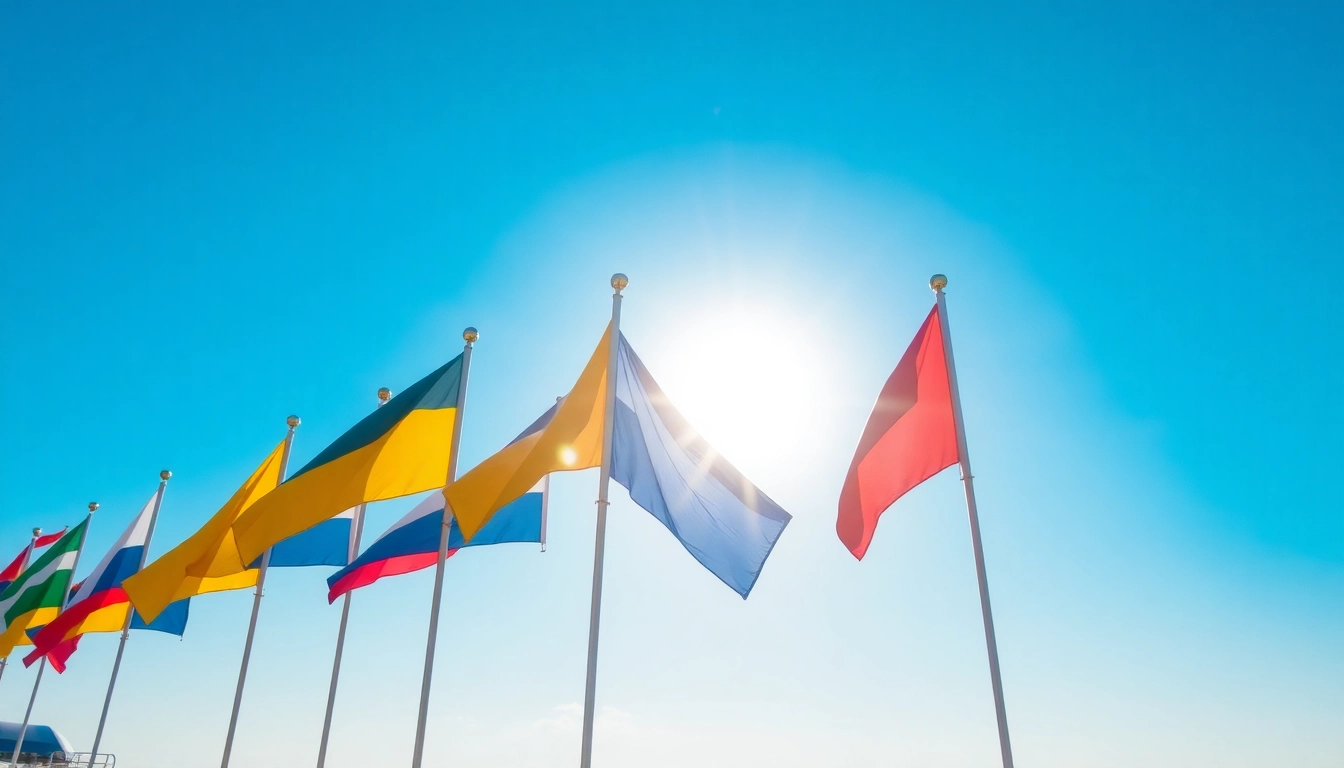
x=61, y=654
x=911, y=436
x=61, y=651
x=50, y=538
x=12, y=571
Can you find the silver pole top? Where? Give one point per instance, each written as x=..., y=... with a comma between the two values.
x=293, y=422
x=37, y=532
x=619, y=281
x=93, y=507
x=470, y=335
x=938, y=283
x=384, y=394
x=164, y=475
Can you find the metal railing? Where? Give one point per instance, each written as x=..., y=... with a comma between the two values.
x=62, y=760
x=79, y=760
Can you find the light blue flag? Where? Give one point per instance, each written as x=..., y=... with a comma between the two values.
x=723, y=520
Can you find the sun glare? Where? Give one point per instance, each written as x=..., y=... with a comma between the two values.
x=744, y=380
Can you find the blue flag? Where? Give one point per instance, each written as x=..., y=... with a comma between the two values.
x=723, y=520
x=327, y=543
x=173, y=620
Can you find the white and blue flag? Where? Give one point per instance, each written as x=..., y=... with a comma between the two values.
x=724, y=521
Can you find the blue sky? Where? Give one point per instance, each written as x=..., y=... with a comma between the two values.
x=216, y=215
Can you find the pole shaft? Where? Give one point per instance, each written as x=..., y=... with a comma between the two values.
x=107, y=701
x=74, y=568
x=991, y=645
x=247, y=657
x=28, y=714
x=545, y=512
x=422, y=718
x=126, y=628
x=252, y=624
x=600, y=543
x=356, y=534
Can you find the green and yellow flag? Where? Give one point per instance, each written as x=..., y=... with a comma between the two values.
x=36, y=596
x=399, y=449
x=208, y=561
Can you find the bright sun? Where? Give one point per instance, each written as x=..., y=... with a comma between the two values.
x=745, y=380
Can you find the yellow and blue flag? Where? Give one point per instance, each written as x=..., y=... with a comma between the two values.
x=727, y=524
x=400, y=449
x=567, y=437
x=208, y=561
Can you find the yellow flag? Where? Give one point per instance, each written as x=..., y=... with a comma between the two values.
x=571, y=440
x=208, y=561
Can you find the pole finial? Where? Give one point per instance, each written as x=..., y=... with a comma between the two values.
x=384, y=394
x=938, y=283
x=619, y=281
x=293, y=422
x=470, y=335
x=37, y=532
x=93, y=507
x=164, y=475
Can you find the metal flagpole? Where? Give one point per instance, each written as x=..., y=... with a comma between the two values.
x=27, y=555
x=545, y=510
x=356, y=533
x=938, y=283
x=126, y=628
x=619, y=282
x=545, y=500
x=470, y=335
x=293, y=422
x=74, y=567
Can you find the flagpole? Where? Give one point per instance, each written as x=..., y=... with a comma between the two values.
x=293, y=422
x=618, y=282
x=74, y=568
x=938, y=283
x=27, y=555
x=356, y=533
x=546, y=497
x=470, y=335
x=126, y=628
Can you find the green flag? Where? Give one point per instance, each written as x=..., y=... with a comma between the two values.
x=35, y=597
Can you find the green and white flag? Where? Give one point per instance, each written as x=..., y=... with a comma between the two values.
x=36, y=596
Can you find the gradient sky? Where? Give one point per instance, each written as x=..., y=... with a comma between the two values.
x=216, y=214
